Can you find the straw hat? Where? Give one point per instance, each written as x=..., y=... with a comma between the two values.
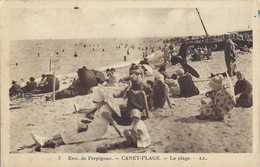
x=100, y=94
x=135, y=113
x=216, y=83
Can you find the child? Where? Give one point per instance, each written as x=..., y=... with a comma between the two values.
x=138, y=135
x=221, y=103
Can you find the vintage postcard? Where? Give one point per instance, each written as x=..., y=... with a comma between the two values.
x=130, y=83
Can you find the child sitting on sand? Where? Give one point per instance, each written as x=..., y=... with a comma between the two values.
x=221, y=102
x=174, y=88
x=138, y=135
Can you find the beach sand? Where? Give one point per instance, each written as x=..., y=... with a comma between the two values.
x=172, y=130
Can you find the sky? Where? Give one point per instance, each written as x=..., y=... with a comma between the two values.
x=69, y=23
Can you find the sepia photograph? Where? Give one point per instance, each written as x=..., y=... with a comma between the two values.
x=149, y=80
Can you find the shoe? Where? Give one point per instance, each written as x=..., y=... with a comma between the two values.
x=40, y=141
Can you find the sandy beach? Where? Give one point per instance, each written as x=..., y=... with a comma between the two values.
x=172, y=130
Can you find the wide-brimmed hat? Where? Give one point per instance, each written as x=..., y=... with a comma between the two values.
x=13, y=82
x=100, y=94
x=135, y=113
x=216, y=82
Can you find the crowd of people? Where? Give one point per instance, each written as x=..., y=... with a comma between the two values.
x=145, y=90
x=44, y=86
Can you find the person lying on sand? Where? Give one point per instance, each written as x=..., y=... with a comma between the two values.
x=221, y=102
x=95, y=130
x=138, y=135
x=87, y=79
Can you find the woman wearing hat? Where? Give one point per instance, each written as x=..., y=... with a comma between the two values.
x=160, y=92
x=95, y=130
x=221, y=101
x=187, y=86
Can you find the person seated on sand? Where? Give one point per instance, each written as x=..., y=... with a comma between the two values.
x=137, y=94
x=136, y=99
x=135, y=82
x=86, y=132
x=174, y=88
x=75, y=89
x=113, y=78
x=24, y=89
x=22, y=83
x=187, y=86
x=245, y=49
x=43, y=82
x=15, y=89
x=46, y=84
x=195, y=56
x=243, y=91
x=160, y=92
x=221, y=102
x=138, y=135
x=30, y=86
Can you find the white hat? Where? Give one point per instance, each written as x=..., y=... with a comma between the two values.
x=135, y=113
x=216, y=82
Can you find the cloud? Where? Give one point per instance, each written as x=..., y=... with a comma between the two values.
x=96, y=22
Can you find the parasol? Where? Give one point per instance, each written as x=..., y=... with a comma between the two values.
x=231, y=87
x=189, y=69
